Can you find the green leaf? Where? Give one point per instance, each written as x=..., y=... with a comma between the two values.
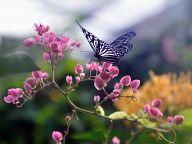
x=100, y=111
x=16, y=63
x=118, y=115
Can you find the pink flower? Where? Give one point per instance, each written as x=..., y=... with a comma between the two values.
x=105, y=76
x=55, y=47
x=106, y=65
x=170, y=120
x=57, y=136
x=31, y=81
x=28, y=88
x=37, y=38
x=157, y=103
x=77, y=79
x=154, y=113
x=16, y=92
x=96, y=99
x=29, y=42
x=8, y=99
x=135, y=84
x=37, y=75
x=78, y=69
x=146, y=108
x=41, y=29
x=178, y=119
x=45, y=75
x=82, y=75
x=116, y=92
x=69, y=79
x=46, y=57
x=99, y=83
x=126, y=80
x=13, y=95
x=115, y=140
x=114, y=71
x=64, y=39
x=118, y=86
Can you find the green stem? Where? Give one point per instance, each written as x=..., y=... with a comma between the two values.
x=108, y=132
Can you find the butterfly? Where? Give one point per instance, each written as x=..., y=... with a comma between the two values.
x=113, y=52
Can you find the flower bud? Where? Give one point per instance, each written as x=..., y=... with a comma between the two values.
x=46, y=57
x=29, y=42
x=68, y=119
x=99, y=83
x=69, y=79
x=146, y=108
x=170, y=120
x=155, y=113
x=97, y=98
x=105, y=76
x=135, y=84
x=157, y=103
x=114, y=71
x=77, y=79
x=106, y=65
x=126, y=80
x=78, y=69
x=57, y=136
x=115, y=140
x=178, y=119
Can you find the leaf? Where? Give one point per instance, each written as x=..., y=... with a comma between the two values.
x=100, y=111
x=16, y=63
x=118, y=115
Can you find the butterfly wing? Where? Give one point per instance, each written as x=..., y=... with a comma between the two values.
x=103, y=50
x=107, y=54
x=94, y=42
x=122, y=45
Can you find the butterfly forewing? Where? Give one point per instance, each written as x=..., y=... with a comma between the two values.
x=94, y=42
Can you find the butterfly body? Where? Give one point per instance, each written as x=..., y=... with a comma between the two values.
x=113, y=52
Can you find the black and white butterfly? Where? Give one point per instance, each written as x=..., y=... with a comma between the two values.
x=112, y=52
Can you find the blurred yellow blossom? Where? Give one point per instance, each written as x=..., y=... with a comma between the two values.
x=175, y=91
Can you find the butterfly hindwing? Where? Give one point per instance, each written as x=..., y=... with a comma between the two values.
x=122, y=44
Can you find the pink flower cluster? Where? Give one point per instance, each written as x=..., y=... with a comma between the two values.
x=14, y=94
x=154, y=112
x=104, y=73
x=38, y=79
x=55, y=46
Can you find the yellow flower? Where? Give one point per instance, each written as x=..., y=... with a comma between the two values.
x=174, y=90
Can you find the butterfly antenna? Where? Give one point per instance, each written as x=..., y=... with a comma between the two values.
x=78, y=23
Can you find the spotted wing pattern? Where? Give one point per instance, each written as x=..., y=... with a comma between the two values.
x=122, y=45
